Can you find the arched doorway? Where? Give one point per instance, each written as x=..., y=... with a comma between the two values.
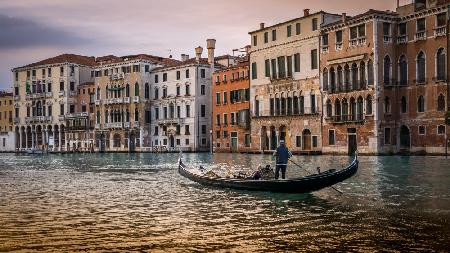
x=273, y=138
x=306, y=139
x=132, y=142
x=172, y=141
x=102, y=142
x=405, y=138
x=116, y=142
x=264, y=139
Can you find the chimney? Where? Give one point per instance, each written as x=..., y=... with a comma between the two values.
x=305, y=12
x=261, y=25
x=184, y=57
x=344, y=17
x=198, y=53
x=211, y=45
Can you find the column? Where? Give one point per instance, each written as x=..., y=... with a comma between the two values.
x=20, y=139
x=32, y=139
x=53, y=133
x=59, y=140
x=26, y=139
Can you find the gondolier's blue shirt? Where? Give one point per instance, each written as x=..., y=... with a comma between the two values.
x=283, y=154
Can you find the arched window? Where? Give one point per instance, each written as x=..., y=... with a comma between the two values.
x=98, y=93
x=289, y=106
x=98, y=117
x=403, y=70
x=106, y=116
x=403, y=105
x=333, y=79
x=136, y=115
x=340, y=86
x=362, y=75
x=295, y=102
x=347, y=77
x=106, y=91
x=283, y=105
x=387, y=70
x=115, y=91
x=359, y=109
x=345, y=110
x=329, y=109
x=421, y=104
x=127, y=91
x=353, y=109
x=440, y=65
x=387, y=105
x=354, y=76
x=325, y=79
x=441, y=103
x=369, y=105
x=188, y=90
x=127, y=119
x=147, y=91
x=337, y=110
x=156, y=93
x=370, y=78
x=136, y=89
x=421, y=68
x=38, y=108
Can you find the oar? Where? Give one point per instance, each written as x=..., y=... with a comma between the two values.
x=312, y=173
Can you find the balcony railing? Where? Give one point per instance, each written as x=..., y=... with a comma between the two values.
x=126, y=100
x=118, y=125
x=16, y=120
x=61, y=93
x=112, y=101
x=77, y=115
x=98, y=102
x=353, y=42
x=16, y=97
x=127, y=125
x=61, y=117
x=347, y=118
x=136, y=99
x=38, y=119
x=421, y=35
x=72, y=93
x=440, y=31
x=338, y=46
x=402, y=39
x=97, y=126
x=325, y=49
x=387, y=39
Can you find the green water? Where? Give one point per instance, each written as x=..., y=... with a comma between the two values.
x=125, y=202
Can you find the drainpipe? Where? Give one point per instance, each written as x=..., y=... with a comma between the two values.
x=376, y=86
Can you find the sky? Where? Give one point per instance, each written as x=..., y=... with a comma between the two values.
x=32, y=30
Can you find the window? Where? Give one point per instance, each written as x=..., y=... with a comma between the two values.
x=440, y=65
x=156, y=113
x=178, y=111
x=136, y=89
x=147, y=91
x=61, y=109
x=165, y=112
x=156, y=93
x=188, y=111
x=314, y=141
x=255, y=40
x=289, y=66
x=186, y=72
x=387, y=70
x=369, y=105
x=165, y=77
x=266, y=37
x=267, y=68
x=186, y=130
x=178, y=75
x=147, y=117
x=441, y=103
x=164, y=92
x=281, y=67
x=441, y=129
x=224, y=78
x=325, y=40
x=61, y=86
x=314, y=24
x=298, y=141
x=386, y=29
x=331, y=137
x=387, y=105
x=402, y=29
x=188, y=90
x=387, y=136
x=202, y=73
x=420, y=25
x=202, y=89
x=61, y=71
x=156, y=78
x=203, y=129
x=203, y=111
x=441, y=20
x=339, y=37
x=297, y=28
x=225, y=98
x=420, y=104
x=422, y=130
x=403, y=105
x=218, y=137
x=254, y=74
x=314, y=63
x=421, y=68
x=329, y=109
x=297, y=62
x=289, y=30
x=247, y=140
x=353, y=33
x=225, y=119
x=403, y=67
x=274, y=35
x=217, y=98
x=147, y=68
x=273, y=63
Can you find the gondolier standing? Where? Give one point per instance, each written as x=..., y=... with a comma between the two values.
x=283, y=154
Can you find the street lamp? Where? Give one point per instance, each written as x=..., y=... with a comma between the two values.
x=210, y=141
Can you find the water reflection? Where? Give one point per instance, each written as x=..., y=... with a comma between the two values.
x=122, y=202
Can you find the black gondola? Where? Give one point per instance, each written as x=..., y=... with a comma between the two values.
x=298, y=185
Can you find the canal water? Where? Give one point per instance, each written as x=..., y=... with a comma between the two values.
x=124, y=202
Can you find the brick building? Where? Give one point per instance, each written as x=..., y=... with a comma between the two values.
x=231, y=109
x=7, y=136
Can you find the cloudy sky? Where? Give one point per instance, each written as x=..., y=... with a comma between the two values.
x=33, y=30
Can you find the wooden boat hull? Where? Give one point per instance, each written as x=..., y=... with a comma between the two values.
x=298, y=185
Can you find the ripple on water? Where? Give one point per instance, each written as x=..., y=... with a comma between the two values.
x=124, y=202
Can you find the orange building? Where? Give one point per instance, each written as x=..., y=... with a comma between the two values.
x=231, y=109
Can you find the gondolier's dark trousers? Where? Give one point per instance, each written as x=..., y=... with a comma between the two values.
x=281, y=167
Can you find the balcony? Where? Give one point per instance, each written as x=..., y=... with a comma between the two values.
x=77, y=115
x=97, y=126
x=127, y=125
x=62, y=93
x=347, y=118
x=439, y=79
x=112, y=101
x=402, y=39
x=72, y=93
x=387, y=39
x=98, y=102
x=136, y=99
x=117, y=125
x=61, y=117
x=126, y=100
x=38, y=119
x=353, y=42
x=440, y=31
x=169, y=121
x=338, y=46
x=16, y=97
x=33, y=78
x=49, y=94
x=16, y=120
x=324, y=49
x=421, y=36
x=136, y=124
x=361, y=41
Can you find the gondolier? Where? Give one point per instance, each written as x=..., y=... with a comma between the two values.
x=283, y=154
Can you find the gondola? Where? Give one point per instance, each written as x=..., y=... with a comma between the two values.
x=305, y=184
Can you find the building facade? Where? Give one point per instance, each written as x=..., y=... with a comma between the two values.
x=284, y=83
x=43, y=93
x=181, y=103
x=231, y=109
x=7, y=137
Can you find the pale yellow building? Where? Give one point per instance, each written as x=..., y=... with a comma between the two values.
x=6, y=122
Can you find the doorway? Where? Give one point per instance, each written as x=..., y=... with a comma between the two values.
x=405, y=138
x=352, y=141
x=306, y=139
